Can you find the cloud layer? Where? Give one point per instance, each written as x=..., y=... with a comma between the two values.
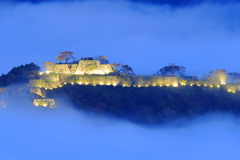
x=62, y=133
x=146, y=37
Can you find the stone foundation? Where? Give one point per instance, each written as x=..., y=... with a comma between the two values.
x=50, y=103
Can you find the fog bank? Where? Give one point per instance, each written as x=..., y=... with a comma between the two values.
x=28, y=132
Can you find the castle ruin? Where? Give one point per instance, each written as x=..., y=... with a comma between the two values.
x=89, y=67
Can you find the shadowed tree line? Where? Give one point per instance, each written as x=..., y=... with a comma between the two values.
x=20, y=74
x=150, y=105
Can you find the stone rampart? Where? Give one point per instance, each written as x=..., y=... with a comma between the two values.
x=44, y=103
x=90, y=67
x=38, y=91
x=60, y=68
x=136, y=81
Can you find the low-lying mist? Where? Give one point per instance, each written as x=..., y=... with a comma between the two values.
x=40, y=133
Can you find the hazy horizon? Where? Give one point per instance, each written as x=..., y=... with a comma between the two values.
x=146, y=37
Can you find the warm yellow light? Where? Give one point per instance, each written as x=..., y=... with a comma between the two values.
x=114, y=84
x=218, y=86
x=211, y=86
x=46, y=88
x=146, y=86
x=175, y=85
x=205, y=85
x=79, y=82
x=160, y=85
x=72, y=83
x=65, y=82
x=47, y=72
x=40, y=73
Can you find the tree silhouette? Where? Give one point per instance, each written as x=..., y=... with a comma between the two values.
x=127, y=70
x=61, y=58
x=172, y=70
x=67, y=55
x=234, y=77
x=115, y=65
x=103, y=59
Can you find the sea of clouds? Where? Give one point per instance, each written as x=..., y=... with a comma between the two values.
x=144, y=36
x=63, y=133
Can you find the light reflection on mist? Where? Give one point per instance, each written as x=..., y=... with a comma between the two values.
x=147, y=37
x=64, y=133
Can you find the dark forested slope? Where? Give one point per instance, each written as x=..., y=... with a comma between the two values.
x=150, y=105
x=20, y=74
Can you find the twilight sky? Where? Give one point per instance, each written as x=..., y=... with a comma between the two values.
x=144, y=36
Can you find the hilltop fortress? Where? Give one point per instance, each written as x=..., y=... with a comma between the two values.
x=88, y=71
x=82, y=67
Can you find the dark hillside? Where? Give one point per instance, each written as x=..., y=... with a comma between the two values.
x=20, y=74
x=150, y=105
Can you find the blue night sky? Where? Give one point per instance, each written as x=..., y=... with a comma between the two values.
x=146, y=37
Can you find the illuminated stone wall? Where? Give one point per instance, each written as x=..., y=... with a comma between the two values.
x=38, y=91
x=50, y=77
x=60, y=68
x=135, y=81
x=44, y=103
x=83, y=67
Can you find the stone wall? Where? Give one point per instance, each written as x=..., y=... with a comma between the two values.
x=38, y=91
x=83, y=67
x=44, y=103
x=50, y=77
x=136, y=81
x=60, y=68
